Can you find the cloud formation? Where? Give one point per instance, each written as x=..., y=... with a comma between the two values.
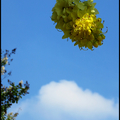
x=67, y=101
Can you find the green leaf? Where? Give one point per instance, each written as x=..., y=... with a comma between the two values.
x=76, y=43
x=76, y=1
x=64, y=11
x=96, y=11
x=93, y=4
x=66, y=35
x=81, y=6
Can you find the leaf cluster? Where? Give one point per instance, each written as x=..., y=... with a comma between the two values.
x=77, y=19
x=13, y=93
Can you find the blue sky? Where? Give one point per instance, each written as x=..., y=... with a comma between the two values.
x=65, y=83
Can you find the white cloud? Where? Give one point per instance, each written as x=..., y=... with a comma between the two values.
x=66, y=101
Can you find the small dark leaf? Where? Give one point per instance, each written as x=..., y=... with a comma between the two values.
x=7, y=50
x=9, y=73
x=9, y=55
x=13, y=51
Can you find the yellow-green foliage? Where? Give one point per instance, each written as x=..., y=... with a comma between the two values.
x=78, y=22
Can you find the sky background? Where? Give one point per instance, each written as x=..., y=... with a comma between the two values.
x=65, y=83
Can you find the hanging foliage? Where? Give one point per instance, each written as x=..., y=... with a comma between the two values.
x=78, y=22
